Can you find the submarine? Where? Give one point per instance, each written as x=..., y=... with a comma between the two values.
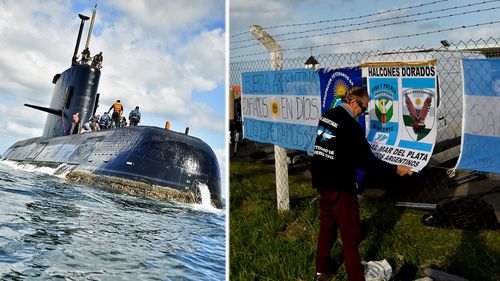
x=140, y=160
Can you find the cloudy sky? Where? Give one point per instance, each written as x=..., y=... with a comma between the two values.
x=336, y=27
x=168, y=57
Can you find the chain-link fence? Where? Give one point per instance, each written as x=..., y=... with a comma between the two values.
x=468, y=200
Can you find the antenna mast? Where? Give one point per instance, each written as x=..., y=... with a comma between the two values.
x=83, y=18
x=90, y=28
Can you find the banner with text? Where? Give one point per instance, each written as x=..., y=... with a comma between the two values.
x=402, y=125
x=281, y=107
x=480, y=149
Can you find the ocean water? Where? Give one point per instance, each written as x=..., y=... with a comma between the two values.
x=55, y=229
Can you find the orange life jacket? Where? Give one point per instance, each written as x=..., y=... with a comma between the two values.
x=117, y=107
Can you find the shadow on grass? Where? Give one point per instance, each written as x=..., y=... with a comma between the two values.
x=377, y=229
x=475, y=257
x=473, y=247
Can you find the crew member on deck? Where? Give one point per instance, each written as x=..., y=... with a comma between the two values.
x=86, y=128
x=105, y=121
x=74, y=123
x=134, y=117
x=123, y=122
x=94, y=123
x=97, y=60
x=117, y=113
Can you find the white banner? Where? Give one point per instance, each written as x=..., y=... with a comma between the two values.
x=402, y=125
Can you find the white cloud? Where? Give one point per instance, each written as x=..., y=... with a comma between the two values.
x=481, y=33
x=198, y=55
x=21, y=123
x=160, y=15
x=31, y=44
x=243, y=14
x=21, y=131
x=18, y=113
x=141, y=73
x=162, y=83
x=204, y=117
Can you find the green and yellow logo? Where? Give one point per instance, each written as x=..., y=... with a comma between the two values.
x=384, y=107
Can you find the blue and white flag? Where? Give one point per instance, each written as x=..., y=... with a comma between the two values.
x=480, y=149
x=281, y=107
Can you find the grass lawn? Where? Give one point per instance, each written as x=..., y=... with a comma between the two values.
x=266, y=245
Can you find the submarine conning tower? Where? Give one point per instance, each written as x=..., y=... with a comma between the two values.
x=75, y=89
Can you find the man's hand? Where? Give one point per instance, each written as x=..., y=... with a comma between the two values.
x=404, y=170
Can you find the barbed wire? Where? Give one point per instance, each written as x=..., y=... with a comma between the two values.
x=372, y=27
x=372, y=21
x=376, y=39
x=348, y=18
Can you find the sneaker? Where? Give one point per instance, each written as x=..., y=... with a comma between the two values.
x=323, y=276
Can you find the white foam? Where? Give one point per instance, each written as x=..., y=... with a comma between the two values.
x=31, y=168
x=63, y=167
x=206, y=202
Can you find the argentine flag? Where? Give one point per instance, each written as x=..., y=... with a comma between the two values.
x=480, y=149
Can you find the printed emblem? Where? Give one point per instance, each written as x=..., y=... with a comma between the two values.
x=418, y=114
x=325, y=134
x=384, y=107
x=381, y=138
x=275, y=109
x=339, y=90
x=334, y=84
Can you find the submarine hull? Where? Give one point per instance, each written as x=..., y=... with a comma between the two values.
x=142, y=153
x=141, y=159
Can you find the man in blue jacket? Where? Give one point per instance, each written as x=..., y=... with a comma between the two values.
x=340, y=148
x=105, y=121
x=134, y=117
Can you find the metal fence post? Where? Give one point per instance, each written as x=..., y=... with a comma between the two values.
x=281, y=166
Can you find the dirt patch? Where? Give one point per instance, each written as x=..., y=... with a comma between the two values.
x=295, y=231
